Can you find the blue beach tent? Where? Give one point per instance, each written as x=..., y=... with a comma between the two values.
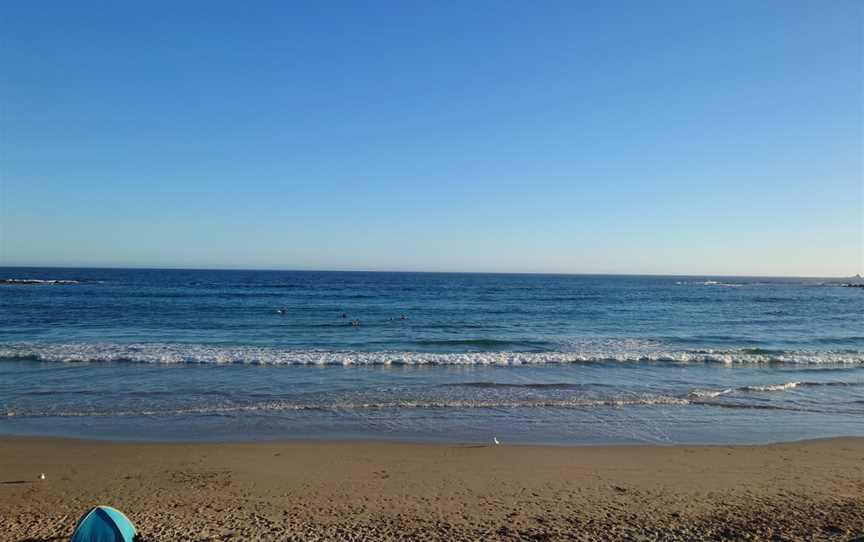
x=104, y=524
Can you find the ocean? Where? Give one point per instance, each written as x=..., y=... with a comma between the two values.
x=183, y=355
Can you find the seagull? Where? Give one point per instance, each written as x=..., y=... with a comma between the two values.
x=495, y=440
x=41, y=475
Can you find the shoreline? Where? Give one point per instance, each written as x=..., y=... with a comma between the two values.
x=396, y=441
x=383, y=490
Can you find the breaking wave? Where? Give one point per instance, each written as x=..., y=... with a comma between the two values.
x=710, y=393
x=772, y=387
x=769, y=387
x=710, y=283
x=210, y=354
x=38, y=281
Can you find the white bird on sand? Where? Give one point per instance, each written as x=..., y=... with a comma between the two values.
x=41, y=475
x=495, y=440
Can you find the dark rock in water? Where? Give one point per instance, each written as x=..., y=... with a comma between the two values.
x=850, y=285
x=37, y=281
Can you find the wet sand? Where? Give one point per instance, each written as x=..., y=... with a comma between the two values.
x=399, y=491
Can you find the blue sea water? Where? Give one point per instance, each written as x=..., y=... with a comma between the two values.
x=207, y=355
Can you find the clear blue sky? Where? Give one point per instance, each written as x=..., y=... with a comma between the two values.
x=622, y=137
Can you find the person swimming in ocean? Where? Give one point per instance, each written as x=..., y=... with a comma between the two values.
x=282, y=311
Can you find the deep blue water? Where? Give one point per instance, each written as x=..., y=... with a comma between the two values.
x=206, y=355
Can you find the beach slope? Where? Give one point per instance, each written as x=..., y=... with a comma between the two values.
x=388, y=491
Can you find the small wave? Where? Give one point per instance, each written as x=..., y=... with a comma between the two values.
x=751, y=406
x=710, y=283
x=710, y=393
x=792, y=385
x=481, y=343
x=772, y=387
x=288, y=286
x=541, y=386
x=347, y=407
x=761, y=351
x=281, y=406
x=752, y=282
x=769, y=387
x=169, y=354
x=840, y=339
x=726, y=284
x=211, y=354
x=38, y=281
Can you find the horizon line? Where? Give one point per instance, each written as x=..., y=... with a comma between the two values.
x=287, y=270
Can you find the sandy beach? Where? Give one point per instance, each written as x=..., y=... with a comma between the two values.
x=400, y=491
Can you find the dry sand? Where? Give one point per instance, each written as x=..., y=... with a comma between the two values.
x=395, y=491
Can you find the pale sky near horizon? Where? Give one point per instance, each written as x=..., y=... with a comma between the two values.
x=668, y=137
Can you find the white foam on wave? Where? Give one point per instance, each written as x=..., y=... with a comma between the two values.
x=772, y=387
x=208, y=354
x=38, y=281
x=711, y=283
x=767, y=388
x=710, y=393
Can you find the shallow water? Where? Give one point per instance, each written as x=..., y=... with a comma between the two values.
x=204, y=355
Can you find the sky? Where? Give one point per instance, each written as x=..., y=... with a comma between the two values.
x=668, y=137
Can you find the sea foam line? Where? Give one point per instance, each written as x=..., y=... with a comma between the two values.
x=646, y=401
x=769, y=388
x=38, y=281
x=282, y=406
x=206, y=354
